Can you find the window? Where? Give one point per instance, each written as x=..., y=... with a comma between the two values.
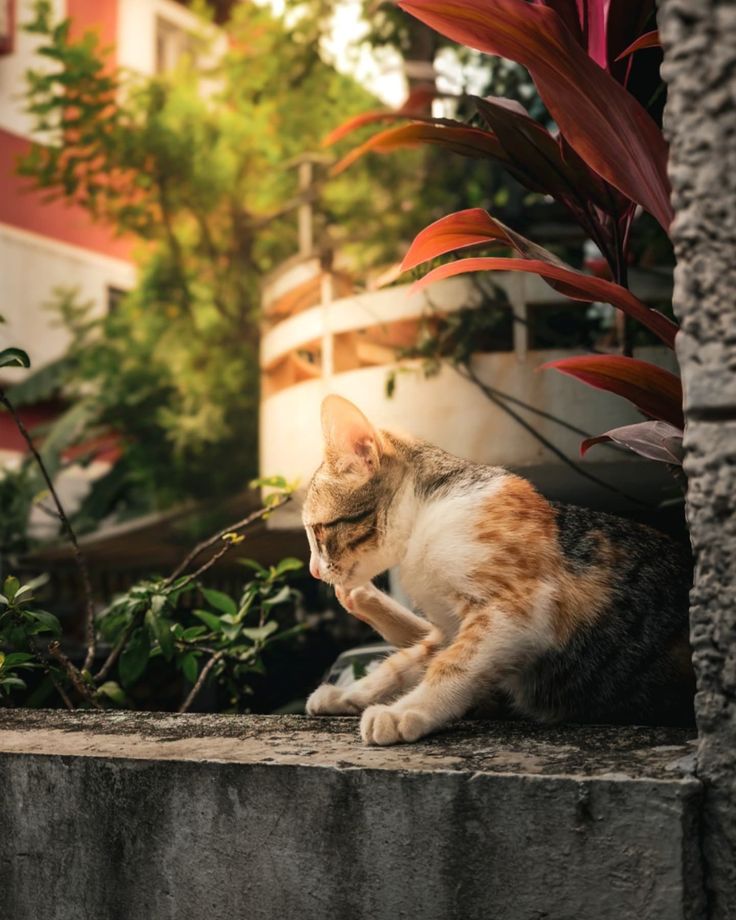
x=114, y=297
x=172, y=42
x=7, y=26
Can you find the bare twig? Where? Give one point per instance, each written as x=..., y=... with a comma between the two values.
x=61, y=691
x=43, y=661
x=194, y=692
x=117, y=649
x=244, y=658
x=226, y=547
x=74, y=675
x=211, y=541
x=78, y=556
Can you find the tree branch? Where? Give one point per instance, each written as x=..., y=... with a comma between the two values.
x=194, y=692
x=90, y=634
x=211, y=541
x=74, y=675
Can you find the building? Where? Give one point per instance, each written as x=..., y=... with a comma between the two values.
x=45, y=245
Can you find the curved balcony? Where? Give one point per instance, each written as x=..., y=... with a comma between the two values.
x=349, y=346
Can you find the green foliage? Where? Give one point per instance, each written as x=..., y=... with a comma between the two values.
x=22, y=623
x=193, y=632
x=156, y=619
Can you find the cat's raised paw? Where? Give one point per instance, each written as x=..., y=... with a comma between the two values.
x=329, y=700
x=384, y=725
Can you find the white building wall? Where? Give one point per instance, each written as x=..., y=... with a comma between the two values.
x=31, y=267
x=14, y=66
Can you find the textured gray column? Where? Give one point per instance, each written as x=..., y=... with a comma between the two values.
x=699, y=37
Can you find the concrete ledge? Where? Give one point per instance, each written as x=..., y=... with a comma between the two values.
x=132, y=816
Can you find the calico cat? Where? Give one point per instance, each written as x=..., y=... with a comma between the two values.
x=571, y=614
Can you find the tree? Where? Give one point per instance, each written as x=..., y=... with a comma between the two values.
x=195, y=165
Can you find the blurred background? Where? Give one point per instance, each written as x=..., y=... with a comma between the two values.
x=190, y=276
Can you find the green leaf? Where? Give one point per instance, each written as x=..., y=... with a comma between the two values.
x=15, y=660
x=261, y=633
x=14, y=357
x=290, y=564
x=25, y=592
x=160, y=629
x=189, y=667
x=134, y=658
x=279, y=598
x=220, y=600
x=231, y=631
x=114, y=692
x=46, y=622
x=210, y=619
x=11, y=683
x=193, y=632
x=269, y=482
x=252, y=564
x=10, y=587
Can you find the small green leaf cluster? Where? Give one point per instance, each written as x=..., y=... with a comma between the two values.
x=21, y=624
x=189, y=625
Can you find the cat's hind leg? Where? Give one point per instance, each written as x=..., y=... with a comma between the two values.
x=396, y=674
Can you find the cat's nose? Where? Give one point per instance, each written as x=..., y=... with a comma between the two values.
x=314, y=567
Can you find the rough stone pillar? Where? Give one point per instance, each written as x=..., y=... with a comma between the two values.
x=699, y=38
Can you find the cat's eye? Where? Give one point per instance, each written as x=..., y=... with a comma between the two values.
x=345, y=519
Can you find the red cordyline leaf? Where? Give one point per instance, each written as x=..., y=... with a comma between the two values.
x=654, y=440
x=649, y=40
x=602, y=26
x=469, y=142
x=539, y=159
x=475, y=227
x=653, y=390
x=413, y=109
x=606, y=126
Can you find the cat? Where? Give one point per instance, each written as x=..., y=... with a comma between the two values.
x=570, y=614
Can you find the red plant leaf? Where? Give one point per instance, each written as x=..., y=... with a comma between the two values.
x=653, y=390
x=648, y=40
x=607, y=127
x=472, y=227
x=653, y=440
x=468, y=142
x=415, y=107
x=546, y=166
x=475, y=227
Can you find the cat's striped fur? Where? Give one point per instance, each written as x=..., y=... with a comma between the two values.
x=569, y=613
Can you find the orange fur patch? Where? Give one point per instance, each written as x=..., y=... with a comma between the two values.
x=519, y=528
x=453, y=661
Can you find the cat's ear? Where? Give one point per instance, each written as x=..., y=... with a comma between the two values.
x=351, y=442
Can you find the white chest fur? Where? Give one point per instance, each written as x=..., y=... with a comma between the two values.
x=443, y=551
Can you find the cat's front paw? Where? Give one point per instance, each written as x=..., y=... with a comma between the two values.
x=356, y=598
x=329, y=700
x=386, y=725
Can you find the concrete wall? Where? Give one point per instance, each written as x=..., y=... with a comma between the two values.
x=700, y=56
x=132, y=816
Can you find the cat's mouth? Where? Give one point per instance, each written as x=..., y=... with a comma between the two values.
x=345, y=579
